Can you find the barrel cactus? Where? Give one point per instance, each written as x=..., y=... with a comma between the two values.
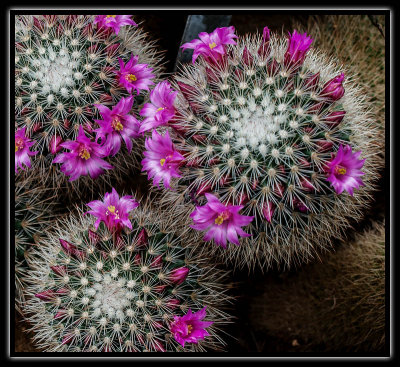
x=335, y=306
x=123, y=284
x=33, y=214
x=79, y=81
x=271, y=147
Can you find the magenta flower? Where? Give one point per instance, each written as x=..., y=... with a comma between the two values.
x=211, y=46
x=178, y=275
x=117, y=124
x=162, y=160
x=344, y=170
x=114, y=21
x=161, y=109
x=84, y=157
x=298, y=45
x=333, y=90
x=22, y=152
x=134, y=76
x=113, y=211
x=221, y=221
x=189, y=328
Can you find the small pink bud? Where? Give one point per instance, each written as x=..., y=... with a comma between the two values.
x=54, y=145
x=59, y=270
x=179, y=275
x=315, y=108
x=204, y=187
x=173, y=303
x=311, y=83
x=247, y=58
x=158, y=346
x=264, y=49
x=142, y=238
x=243, y=198
x=156, y=262
x=268, y=210
x=334, y=118
x=159, y=288
x=324, y=145
x=46, y=295
x=60, y=314
x=306, y=185
x=333, y=90
x=94, y=238
x=67, y=339
x=137, y=259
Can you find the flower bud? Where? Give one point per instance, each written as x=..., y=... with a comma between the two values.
x=333, y=90
x=54, y=144
x=334, y=118
x=268, y=210
x=179, y=275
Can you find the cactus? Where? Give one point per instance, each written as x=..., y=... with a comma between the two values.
x=263, y=125
x=64, y=66
x=102, y=290
x=32, y=218
x=355, y=41
x=338, y=305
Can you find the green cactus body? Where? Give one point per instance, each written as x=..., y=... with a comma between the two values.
x=113, y=293
x=258, y=133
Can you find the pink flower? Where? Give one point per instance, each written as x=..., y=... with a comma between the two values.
x=189, y=328
x=161, y=109
x=22, y=152
x=344, y=170
x=333, y=90
x=113, y=211
x=178, y=275
x=117, y=124
x=221, y=221
x=211, y=46
x=85, y=157
x=114, y=21
x=162, y=160
x=298, y=45
x=134, y=76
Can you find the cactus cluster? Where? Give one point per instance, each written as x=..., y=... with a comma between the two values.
x=338, y=305
x=64, y=66
x=96, y=290
x=31, y=219
x=259, y=126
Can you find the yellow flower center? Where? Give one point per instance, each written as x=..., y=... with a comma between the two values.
x=111, y=208
x=160, y=109
x=110, y=16
x=223, y=216
x=340, y=170
x=19, y=144
x=116, y=124
x=131, y=78
x=84, y=154
x=162, y=161
x=190, y=328
x=212, y=45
